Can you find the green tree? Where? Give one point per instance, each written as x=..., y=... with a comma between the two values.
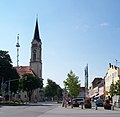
x=72, y=84
x=7, y=72
x=52, y=89
x=117, y=87
x=29, y=83
x=59, y=91
x=112, y=90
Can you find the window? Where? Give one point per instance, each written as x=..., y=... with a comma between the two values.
x=34, y=56
x=115, y=74
x=18, y=96
x=13, y=95
x=112, y=75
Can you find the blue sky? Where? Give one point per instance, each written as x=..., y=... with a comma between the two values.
x=73, y=33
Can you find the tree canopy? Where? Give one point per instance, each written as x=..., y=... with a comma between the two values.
x=5, y=65
x=72, y=84
x=112, y=90
x=7, y=72
x=29, y=83
x=52, y=89
x=115, y=89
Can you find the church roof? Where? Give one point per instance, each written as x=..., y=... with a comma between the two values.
x=24, y=70
x=36, y=33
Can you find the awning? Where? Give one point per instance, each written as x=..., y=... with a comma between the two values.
x=94, y=95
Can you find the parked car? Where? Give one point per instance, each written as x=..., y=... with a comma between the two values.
x=99, y=102
x=60, y=100
x=79, y=101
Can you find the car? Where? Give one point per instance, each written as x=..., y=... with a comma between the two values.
x=99, y=102
x=60, y=100
x=80, y=101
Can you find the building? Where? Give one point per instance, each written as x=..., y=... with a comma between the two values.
x=35, y=67
x=112, y=75
x=82, y=93
x=96, y=89
x=36, y=56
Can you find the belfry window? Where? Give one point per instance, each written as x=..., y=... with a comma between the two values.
x=34, y=56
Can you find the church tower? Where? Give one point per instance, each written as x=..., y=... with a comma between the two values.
x=36, y=51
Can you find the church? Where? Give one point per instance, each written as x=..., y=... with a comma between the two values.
x=35, y=67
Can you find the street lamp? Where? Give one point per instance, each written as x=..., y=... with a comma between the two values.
x=26, y=78
x=3, y=86
x=9, y=81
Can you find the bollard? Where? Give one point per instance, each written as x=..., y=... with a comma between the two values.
x=112, y=107
x=71, y=105
x=65, y=105
x=96, y=107
x=82, y=106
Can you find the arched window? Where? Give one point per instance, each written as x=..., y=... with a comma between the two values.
x=34, y=56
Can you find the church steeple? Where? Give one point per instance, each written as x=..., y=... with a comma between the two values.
x=36, y=33
x=36, y=52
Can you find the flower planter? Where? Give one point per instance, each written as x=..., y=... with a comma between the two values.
x=87, y=103
x=107, y=105
x=75, y=105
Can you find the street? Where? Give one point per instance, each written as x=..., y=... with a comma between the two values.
x=53, y=110
x=32, y=110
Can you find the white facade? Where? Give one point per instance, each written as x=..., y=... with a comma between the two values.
x=112, y=76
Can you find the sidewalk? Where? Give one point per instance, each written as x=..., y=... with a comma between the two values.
x=78, y=112
x=69, y=107
x=115, y=108
x=93, y=108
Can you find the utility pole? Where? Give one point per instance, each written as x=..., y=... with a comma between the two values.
x=9, y=92
x=18, y=45
x=2, y=87
x=86, y=80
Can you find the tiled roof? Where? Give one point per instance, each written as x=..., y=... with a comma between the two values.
x=24, y=70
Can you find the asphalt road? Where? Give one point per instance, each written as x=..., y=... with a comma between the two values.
x=33, y=110
x=54, y=110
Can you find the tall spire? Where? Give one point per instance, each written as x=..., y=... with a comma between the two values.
x=36, y=33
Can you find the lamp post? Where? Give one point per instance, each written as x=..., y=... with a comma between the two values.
x=9, y=89
x=3, y=86
x=26, y=78
x=9, y=86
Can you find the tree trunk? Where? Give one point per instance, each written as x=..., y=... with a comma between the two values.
x=29, y=96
